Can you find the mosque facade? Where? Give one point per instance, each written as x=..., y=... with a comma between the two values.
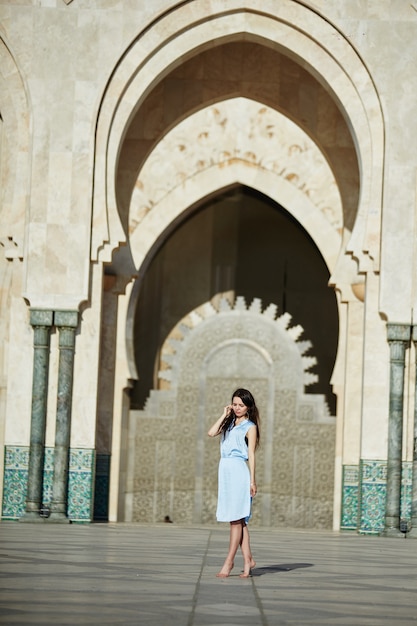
x=198, y=196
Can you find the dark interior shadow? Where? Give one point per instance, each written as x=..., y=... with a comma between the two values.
x=282, y=567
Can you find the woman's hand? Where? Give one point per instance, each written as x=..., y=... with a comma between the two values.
x=253, y=489
x=227, y=410
x=217, y=426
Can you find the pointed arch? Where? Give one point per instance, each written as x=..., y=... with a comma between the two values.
x=299, y=32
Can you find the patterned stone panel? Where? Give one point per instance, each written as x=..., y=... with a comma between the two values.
x=373, y=479
x=303, y=484
x=222, y=350
x=183, y=506
x=285, y=407
x=281, y=511
x=164, y=478
x=142, y=505
x=208, y=514
x=324, y=463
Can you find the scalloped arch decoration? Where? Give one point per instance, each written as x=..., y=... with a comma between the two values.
x=221, y=329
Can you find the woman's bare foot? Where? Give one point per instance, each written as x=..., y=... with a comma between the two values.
x=225, y=570
x=247, y=571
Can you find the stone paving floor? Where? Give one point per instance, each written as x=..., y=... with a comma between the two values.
x=163, y=575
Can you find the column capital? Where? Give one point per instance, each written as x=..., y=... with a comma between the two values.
x=66, y=318
x=41, y=317
x=398, y=332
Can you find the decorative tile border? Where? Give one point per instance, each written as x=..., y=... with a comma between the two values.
x=80, y=482
x=16, y=461
x=48, y=476
x=406, y=490
x=364, y=496
x=80, y=485
x=350, y=495
x=373, y=489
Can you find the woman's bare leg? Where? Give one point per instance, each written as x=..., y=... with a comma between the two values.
x=249, y=562
x=235, y=540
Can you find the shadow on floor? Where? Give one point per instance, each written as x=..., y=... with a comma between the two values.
x=283, y=567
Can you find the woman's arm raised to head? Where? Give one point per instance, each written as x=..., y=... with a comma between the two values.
x=216, y=428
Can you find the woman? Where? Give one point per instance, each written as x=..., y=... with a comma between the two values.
x=239, y=429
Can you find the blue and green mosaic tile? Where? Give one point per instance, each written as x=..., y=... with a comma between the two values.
x=406, y=490
x=373, y=488
x=350, y=494
x=80, y=482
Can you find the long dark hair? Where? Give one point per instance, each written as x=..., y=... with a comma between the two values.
x=252, y=412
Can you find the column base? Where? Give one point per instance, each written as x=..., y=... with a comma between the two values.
x=412, y=534
x=393, y=532
x=58, y=518
x=31, y=517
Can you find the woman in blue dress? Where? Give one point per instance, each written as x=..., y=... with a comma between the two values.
x=238, y=427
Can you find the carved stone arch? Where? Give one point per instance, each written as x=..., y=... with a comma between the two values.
x=298, y=31
x=214, y=350
x=265, y=149
x=277, y=331
x=155, y=225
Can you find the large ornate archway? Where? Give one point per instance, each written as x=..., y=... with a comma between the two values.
x=312, y=41
x=318, y=47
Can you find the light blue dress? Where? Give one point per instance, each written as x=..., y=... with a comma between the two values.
x=234, y=499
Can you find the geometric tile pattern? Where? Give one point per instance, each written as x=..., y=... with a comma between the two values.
x=364, y=495
x=80, y=482
x=16, y=461
x=48, y=476
x=350, y=497
x=373, y=488
x=406, y=490
x=81, y=485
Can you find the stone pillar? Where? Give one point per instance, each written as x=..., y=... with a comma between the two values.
x=42, y=324
x=66, y=322
x=398, y=339
x=413, y=531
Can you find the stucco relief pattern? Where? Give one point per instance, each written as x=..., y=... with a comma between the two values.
x=237, y=129
x=174, y=469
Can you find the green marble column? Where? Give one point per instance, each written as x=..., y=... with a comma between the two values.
x=66, y=322
x=413, y=531
x=398, y=338
x=42, y=323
